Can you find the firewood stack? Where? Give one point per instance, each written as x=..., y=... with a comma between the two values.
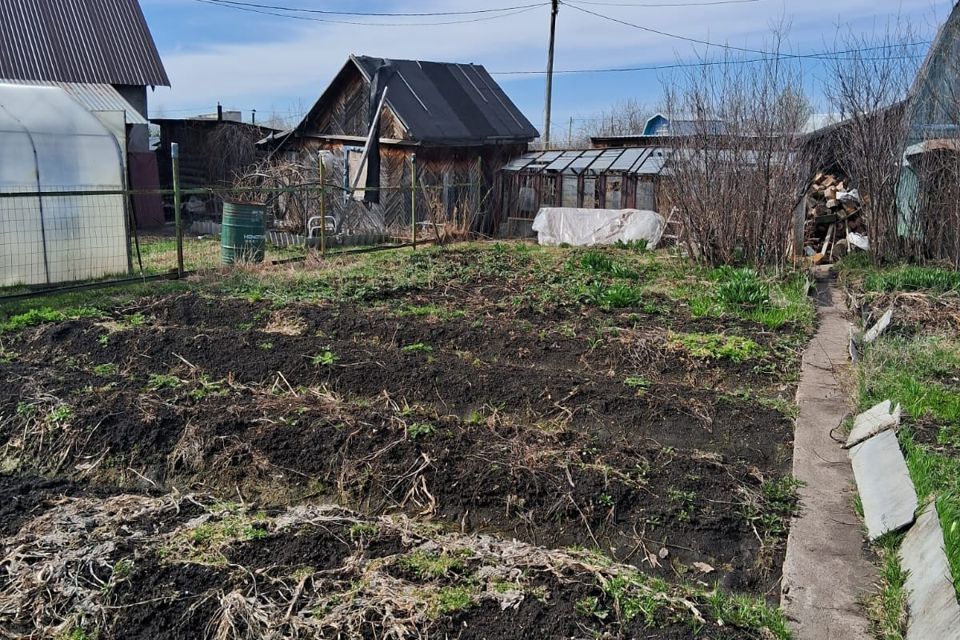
x=834, y=224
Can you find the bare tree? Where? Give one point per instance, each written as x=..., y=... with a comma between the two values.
x=734, y=178
x=623, y=118
x=868, y=86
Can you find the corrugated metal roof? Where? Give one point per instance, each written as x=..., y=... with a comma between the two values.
x=95, y=41
x=647, y=161
x=443, y=103
x=448, y=102
x=95, y=97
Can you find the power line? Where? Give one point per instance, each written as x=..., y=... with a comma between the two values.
x=390, y=14
x=647, y=5
x=824, y=57
x=253, y=8
x=766, y=54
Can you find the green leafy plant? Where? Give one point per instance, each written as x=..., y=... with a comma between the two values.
x=325, y=359
x=417, y=347
x=639, y=245
x=452, y=599
x=715, y=346
x=596, y=262
x=159, y=381
x=742, y=288
x=637, y=382
x=106, y=369
x=418, y=429
x=617, y=296
x=591, y=607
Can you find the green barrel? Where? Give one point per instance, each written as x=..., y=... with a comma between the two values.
x=243, y=233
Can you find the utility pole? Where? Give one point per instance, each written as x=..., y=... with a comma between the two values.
x=555, y=7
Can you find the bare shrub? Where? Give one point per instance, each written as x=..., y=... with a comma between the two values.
x=734, y=177
x=868, y=87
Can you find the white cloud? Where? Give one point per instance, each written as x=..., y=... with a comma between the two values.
x=289, y=71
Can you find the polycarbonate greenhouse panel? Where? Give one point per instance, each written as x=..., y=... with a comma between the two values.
x=49, y=144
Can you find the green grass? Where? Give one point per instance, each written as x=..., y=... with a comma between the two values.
x=948, y=508
x=44, y=315
x=887, y=609
x=920, y=373
x=911, y=278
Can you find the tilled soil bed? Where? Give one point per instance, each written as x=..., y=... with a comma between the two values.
x=439, y=413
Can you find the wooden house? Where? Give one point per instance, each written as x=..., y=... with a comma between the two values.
x=453, y=118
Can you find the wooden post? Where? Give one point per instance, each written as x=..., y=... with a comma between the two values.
x=175, y=159
x=413, y=199
x=323, y=206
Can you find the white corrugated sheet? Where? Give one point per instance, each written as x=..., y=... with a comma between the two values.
x=50, y=143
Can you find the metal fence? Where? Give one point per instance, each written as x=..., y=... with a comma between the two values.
x=61, y=237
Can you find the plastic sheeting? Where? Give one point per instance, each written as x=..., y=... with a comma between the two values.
x=589, y=227
x=50, y=143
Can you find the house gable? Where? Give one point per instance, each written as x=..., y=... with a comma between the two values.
x=435, y=103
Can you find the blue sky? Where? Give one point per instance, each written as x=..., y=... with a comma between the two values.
x=280, y=65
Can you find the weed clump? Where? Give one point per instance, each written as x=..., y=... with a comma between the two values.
x=742, y=288
x=714, y=346
x=616, y=296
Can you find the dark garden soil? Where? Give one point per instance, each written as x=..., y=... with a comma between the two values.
x=578, y=428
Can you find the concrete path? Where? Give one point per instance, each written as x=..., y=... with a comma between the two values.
x=826, y=573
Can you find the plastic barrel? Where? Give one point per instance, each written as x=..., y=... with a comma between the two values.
x=243, y=233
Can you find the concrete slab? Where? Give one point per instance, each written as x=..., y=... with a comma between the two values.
x=886, y=490
x=873, y=421
x=879, y=327
x=931, y=600
x=826, y=574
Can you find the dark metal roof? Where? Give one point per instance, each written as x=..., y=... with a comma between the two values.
x=96, y=41
x=442, y=103
x=449, y=102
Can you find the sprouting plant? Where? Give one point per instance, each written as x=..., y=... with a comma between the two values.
x=597, y=262
x=206, y=387
x=591, y=607
x=418, y=429
x=159, y=381
x=639, y=245
x=135, y=320
x=59, y=414
x=606, y=500
x=104, y=340
x=265, y=346
x=637, y=382
x=325, y=359
x=106, y=369
x=417, y=347
x=616, y=296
